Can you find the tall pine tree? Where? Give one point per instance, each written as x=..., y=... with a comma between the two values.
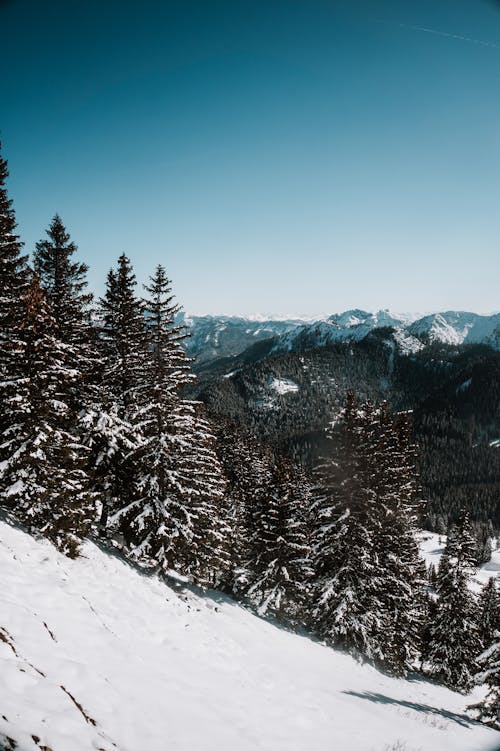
x=44, y=481
x=109, y=432
x=175, y=517
x=346, y=598
x=279, y=567
x=454, y=641
x=13, y=283
x=369, y=586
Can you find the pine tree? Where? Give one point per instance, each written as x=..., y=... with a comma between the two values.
x=45, y=485
x=122, y=337
x=489, y=612
x=107, y=420
x=238, y=457
x=454, y=640
x=370, y=581
x=279, y=568
x=13, y=281
x=401, y=572
x=64, y=284
x=174, y=518
x=488, y=710
x=346, y=605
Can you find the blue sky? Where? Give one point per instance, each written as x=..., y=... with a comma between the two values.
x=286, y=156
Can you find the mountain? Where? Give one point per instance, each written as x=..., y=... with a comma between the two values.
x=213, y=337
x=97, y=655
x=217, y=337
x=456, y=327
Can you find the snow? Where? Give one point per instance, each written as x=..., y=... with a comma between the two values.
x=432, y=548
x=459, y=327
x=407, y=343
x=96, y=655
x=283, y=385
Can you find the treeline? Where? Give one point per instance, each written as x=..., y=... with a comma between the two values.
x=97, y=436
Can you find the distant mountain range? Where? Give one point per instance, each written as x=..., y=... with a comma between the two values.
x=214, y=337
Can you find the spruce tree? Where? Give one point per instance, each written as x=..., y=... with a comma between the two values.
x=44, y=482
x=64, y=283
x=123, y=342
x=454, y=639
x=489, y=612
x=107, y=421
x=13, y=281
x=175, y=517
x=279, y=568
x=488, y=710
x=370, y=583
x=346, y=605
x=401, y=571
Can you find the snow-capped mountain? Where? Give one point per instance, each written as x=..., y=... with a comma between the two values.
x=214, y=337
x=458, y=327
x=96, y=655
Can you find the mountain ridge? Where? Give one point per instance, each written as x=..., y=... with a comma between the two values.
x=214, y=337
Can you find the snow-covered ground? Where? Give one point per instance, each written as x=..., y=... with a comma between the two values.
x=283, y=385
x=432, y=547
x=94, y=655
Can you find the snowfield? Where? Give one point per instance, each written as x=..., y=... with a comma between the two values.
x=94, y=655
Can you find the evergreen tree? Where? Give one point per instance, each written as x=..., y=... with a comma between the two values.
x=370, y=581
x=402, y=573
x=64, y=283
x=346, y=605
x=454, y=640
x=123, y=341
x=488, y=711
x=13, y=280
x=279, y=569
x=489, y=612
x=44, y=482
x=107, y=421
x=175, y=516
x=246, y=466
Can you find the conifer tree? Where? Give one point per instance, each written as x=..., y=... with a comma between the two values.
x=346, y=605
x=107, y=421
x=45, y=484
x=454, y=639
x=13, y=283
x=489, y=612
x=122, y=337
x=236, y=454
x=174, y=518
x=488, y=710
x=279, y=569
x=401, y=572
x=370, y=582
x=64, y=283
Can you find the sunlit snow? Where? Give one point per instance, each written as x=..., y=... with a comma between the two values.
x=95, y=655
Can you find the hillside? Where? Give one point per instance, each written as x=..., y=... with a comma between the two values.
x=94, y=655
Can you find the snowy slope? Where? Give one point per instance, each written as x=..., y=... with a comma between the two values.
x=94, y=655
x=458, y=327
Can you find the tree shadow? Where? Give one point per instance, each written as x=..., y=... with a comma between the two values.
x=460, y=719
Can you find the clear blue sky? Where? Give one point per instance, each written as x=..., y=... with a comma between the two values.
x=296, y=156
